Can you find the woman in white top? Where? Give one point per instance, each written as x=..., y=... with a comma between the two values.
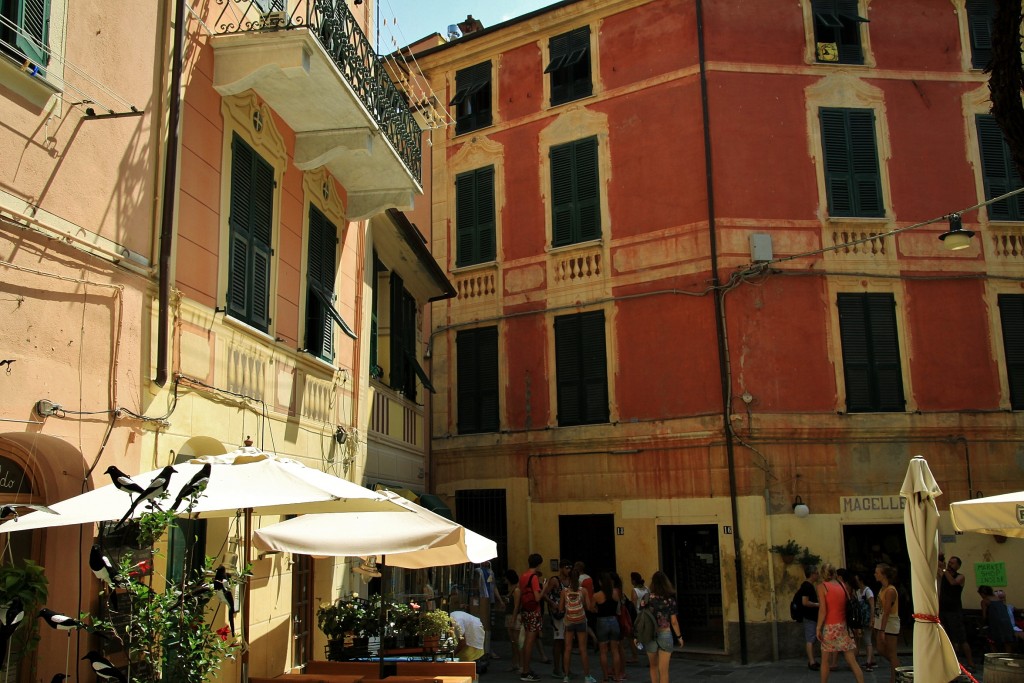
x=640, y=591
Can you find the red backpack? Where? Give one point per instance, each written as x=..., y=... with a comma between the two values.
x=527, y=593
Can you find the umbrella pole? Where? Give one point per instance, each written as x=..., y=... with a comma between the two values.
x=247, y=544
x=382, y=619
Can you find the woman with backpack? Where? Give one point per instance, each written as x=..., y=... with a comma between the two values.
x=574, y=604
x=832, y=630
x=661, y=602
x=866, y=598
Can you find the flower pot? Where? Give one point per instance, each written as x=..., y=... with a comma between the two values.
x=787, y=559
x=431, y=642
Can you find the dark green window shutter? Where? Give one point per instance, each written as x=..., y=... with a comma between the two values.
x=403, y=340
x=581, y=369
x=575, y=192
x=853, y=180
x=374, y=302
x=838, y=22
x=570, y=67
x=251, y=225
x=34, y=21
x=980, y=15
x=871, y=355
x=477, y=369
x=998, y=171
x=472, y=100
x=320, y=271
x=474, y=217
x=1011, y=316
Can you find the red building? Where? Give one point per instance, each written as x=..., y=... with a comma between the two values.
x=700, y=279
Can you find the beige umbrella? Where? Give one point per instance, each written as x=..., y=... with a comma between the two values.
x=934, y=658
x=417, y=540
x=1002, y=514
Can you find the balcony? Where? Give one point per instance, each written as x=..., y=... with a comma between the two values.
x=310, y=62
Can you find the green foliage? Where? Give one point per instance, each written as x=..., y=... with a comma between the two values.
x=790, y=547
x=403, y=618
x=164, y=627
x=27, y=583
x=809, y=559
x=353, y=616
x=435, y=623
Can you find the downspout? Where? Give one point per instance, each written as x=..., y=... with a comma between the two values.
x=723, y=350
x=170, y=182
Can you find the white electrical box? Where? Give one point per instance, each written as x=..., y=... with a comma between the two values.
x=761, y=247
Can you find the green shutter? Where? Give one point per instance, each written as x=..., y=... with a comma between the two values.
x=477, y=367
x=320, y=271
x=588, y=189
x=397, y=371
x=581, y=369
x=853, y=180
x=980, y=15
x=250, y=222
x=570, y=66
x=1011, y=317
x=475, y=217
x=998, y=171
x=871, y=357
x=472, y=100
x=374, y=302
x=34, y=21
x=562, y=201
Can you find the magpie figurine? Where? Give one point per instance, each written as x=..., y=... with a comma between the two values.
x=222, y=590
x=102, y=567
x=11, y=618
x=58, y=621
x=156, y=488
x=8, y=510
x=122, y=482
x=196, y=485
x=105, y=671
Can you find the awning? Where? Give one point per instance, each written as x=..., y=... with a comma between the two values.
x=436, y=505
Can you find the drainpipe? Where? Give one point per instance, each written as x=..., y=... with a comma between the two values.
x=723, y=361
x=170, y=181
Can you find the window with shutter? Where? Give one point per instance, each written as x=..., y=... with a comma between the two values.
x=871, y=353
x=405, y=367
x=575, y=192
x=321, y=255
x=581, y=370
x=998, y=171
x=853, y=181
x=1011, y=317
x=472, y=100
x=837, y=31
x=250, y=222
x=25, y=30
x=570, y=66
x=477, y=369
x=474, y=217
x=980, y=14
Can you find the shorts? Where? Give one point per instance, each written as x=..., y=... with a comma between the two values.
x=892, y=627
x=513, y=623
x=953, y=623
x=607, y=629
x=532, y=621
x=664, y=642
x=578, y=627
x=810, y=630
x=558, y=628
x=836, y=638
x=469, y=654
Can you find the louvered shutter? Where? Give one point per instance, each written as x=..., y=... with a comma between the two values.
x=980, y=15
x=465, y=218
x=588, y=191
x=1011, y=317
x=850, y=50
x=477, y=351
x=320, y=271
x=472, y=100
x=594, y=367
x=885, y=352
x=485, y=223
x=238, y=224
x=864, y=155
x=567, y=370
x=261, y=217
x=398, y=363
x=33, y=19
x=487, y=375
x=838, y=173
x=562, y=201
x=998, y=170
x=856, y=357
x=250, y=223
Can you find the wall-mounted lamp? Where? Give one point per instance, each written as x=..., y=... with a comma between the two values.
x=800, y=509
x=956, y=237
x=340, y=435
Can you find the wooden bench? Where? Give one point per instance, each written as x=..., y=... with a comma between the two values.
x=363, y=669
x=309, y=678
x=443, y=670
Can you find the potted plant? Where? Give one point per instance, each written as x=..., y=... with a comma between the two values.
x=402, y=621
x=787, y=551
x=435, y=629
x=346, y=623
x=28, y=585
x=809, y=559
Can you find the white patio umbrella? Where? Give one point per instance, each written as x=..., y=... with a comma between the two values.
x=414, y=541
x=246, y=480
x=1002, y=514
x=934, y=658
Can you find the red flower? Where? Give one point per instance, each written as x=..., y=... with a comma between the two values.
x=224, y=632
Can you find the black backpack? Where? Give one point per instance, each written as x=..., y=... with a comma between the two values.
x=796, y=607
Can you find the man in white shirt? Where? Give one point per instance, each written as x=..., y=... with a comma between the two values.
x=469, y=634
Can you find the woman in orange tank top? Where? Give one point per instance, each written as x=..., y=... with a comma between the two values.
x=832, y=630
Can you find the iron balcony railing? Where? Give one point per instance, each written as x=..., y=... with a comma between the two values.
x=343, y=40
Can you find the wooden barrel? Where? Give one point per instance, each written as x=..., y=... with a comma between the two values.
x=905, y=674
x=1004, y=667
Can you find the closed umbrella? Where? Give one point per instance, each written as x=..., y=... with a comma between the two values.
x=414, y=538
x=934, y=658
x=1002, y=514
